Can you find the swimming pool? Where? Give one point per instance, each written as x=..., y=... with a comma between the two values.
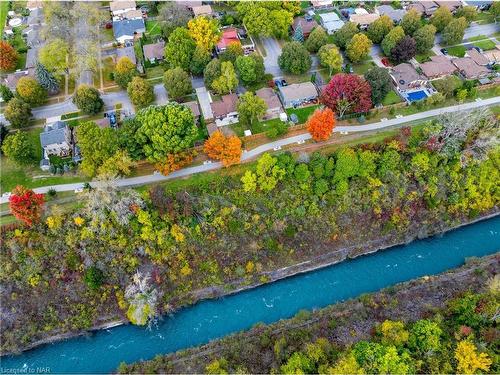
x=417, y=95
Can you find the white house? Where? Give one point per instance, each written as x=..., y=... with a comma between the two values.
x=224, y=110
x=125, y=30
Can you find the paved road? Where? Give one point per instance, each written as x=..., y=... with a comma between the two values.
x=475, y=29
x=248, y=155
x=273, y=50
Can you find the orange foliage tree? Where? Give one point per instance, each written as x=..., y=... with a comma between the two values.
x=321, y=124
x=225, y=149
x=8, y=56
x=26, y=205
x=174, y=162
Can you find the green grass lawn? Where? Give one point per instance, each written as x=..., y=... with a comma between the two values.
x=4, y=8
x=153, y=28
x=107, y=35
x=302, y=113
x=484, y=18
x=391, y=98
x=363, y=67
x=485, y=45
x=256, y=128
x=476, y=38
x=155, y=72
x=423, y=57
x=458, y=51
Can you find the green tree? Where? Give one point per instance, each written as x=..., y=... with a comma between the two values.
x=249, y=181
x=204, y=31
x=127, y=139
x=96, y=146
x=46, y=79
x=441, y=18
x=18, y=113
x=461, y=95
x=316, y=39
x=281, y=22
x=424, y=38
x=250, y=68
x=347, y=164
x=380, y=82
x=298, y=363
x=345, y=34
x=88, y=100
x=18, y=147
x=495, y=9
x=468, y=12
x=393, y=333
x=180, y=49
x=256, y=19
x=140, y=92
x=164, y=130
x=227, y=81
x=54, y=55
x=330, y=57
x=172, y=15
x=294, y=58
x=358, y=48
x=411, y=22
x=232, y=52
x=94, y=278
x=124, y=72
x=268, y=172
x=454, y=32
x=425, y=336
x=392, y=39
x=5, y=93
x=31, y=91
x=201, y=57
x=250, y=107
x=177, y=83
x=380, y=28
x=447, y=85
x=212, y=72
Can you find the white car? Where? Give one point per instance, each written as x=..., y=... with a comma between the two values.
x=6, y=194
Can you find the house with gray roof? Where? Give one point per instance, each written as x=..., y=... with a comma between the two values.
x=56, y=139
x=127, y=30
x=396, y=15
x=126, y=52
x=297, y=94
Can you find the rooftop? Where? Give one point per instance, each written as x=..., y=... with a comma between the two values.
x=438, y=66
x=269, y=96
x=194, y=107
x=307, y=26
x=478, y=57
x=395, y=14
x=229, y=35
x=154, y=51
x=404, y=75
x=469, y=68
x=363, y=19
x=54, y=133
x=225, y=106
x=202, y=10
x=298, y=91
x=132, y=14
x=121, y=5
x=450, y=4
x=127, y=27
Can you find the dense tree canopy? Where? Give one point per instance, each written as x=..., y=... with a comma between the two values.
x=469, y=12
x=5, y=93
x=26, y=205
x=392, y=39
x=404, y=50
x=330, y=57
x=225, y=149
x=124, y=71
x=424, y=38
x=46, y=79
x=212, y=72
x=31, y=91
x=232, y=52
x=380, y=82
x=320, y=124
x=8, y=56
x=140, y=92
x=88, y=100
x=316, y=39
x=347, y=93
x=227, y=81
x=172, y=15
x=267, y=18
x=441, y=18
x=18, y=147
x=454, y=32
x=294, y=58
x=358, y=47
x=250, y=68
x=177, y=83
x=250, y=107
x=380, y=28
x=411, y=22
x=199, y=61
x=18, y=113
x=345, y=34
x=204, y=31
x=166, y=129
x=180, y=48
x=54, y=55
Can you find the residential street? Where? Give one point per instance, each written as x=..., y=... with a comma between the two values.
x=273, y=50
x=248, y=155
x=475, y=29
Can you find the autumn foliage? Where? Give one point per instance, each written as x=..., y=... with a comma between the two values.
x=8, y=56
x=320, y=125
x=26, y=205
x=347, y=93
x=225, y=149
x=174, y=162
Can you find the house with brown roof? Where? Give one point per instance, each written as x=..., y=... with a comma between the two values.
x=307, y=26
x=363, y=20
x=452, y=5
x=189, y=4
x=319, y=4
x=119, y=7
x=396, y=15
x=427, y=8
x=202, y=10
x=135, y=14
x=126, y=52
x=11, y=79
x=493, y=55
x=154, y=52
x=439, y=66
x=478, y=57
x=272, y=102
x=194, y=107
x=469, y=69
x=224, y=110
x=406, y=77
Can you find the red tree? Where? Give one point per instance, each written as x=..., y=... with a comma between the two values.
x=8, y=56
x=347, y=93
x=26, y=205
x=321, y=124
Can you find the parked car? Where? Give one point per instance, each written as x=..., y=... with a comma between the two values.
x=477, y=49
x=6, y=194
x=280, y=82
x=385, y=61
x=444, y=51
x=308, y=17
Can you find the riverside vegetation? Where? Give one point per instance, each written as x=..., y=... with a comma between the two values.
x=439, y=324
x=129, y=254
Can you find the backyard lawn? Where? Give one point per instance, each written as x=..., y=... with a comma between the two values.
x=153, y=28
x=363, y=67
x=154, y=72
x=423, y=57
x=458, y=51
x=302, y=113
x=391, y=98
x=256, y=128
x=485, y=45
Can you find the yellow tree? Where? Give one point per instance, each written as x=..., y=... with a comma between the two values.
x=358, y=48
x=469, y=361
x=204, y=31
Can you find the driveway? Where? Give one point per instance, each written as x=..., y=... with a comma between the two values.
x=273, y=50
x=248, y=155
x=161, y=96
x=376, y=54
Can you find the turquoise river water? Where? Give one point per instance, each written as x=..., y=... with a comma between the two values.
x=103, y=351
